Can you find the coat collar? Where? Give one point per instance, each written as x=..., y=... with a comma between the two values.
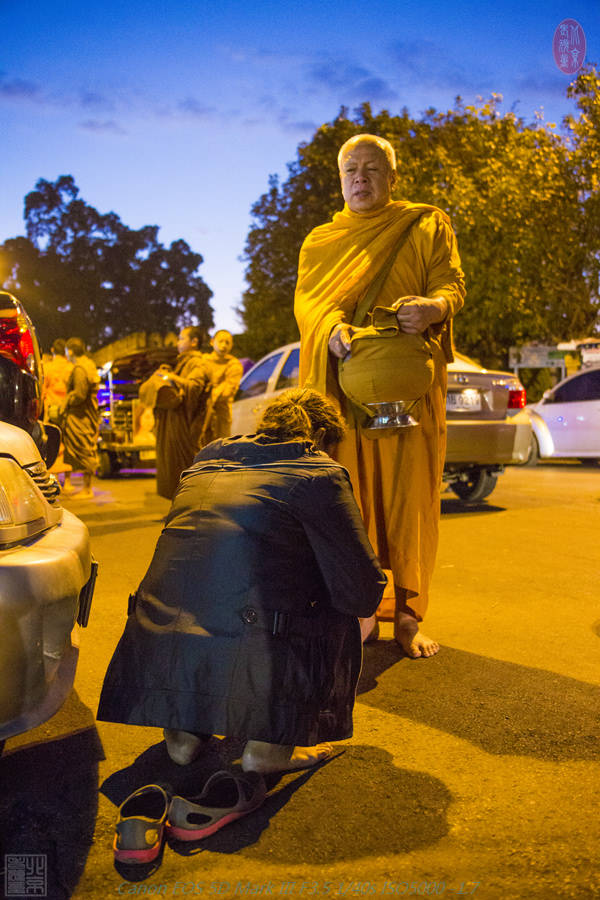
x=254, y=449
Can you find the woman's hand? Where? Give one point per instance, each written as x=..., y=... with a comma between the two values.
x=416, y=314
x=339, y=340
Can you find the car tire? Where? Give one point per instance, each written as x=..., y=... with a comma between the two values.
x=107, y=464
x=479, y=485
x=534, y=451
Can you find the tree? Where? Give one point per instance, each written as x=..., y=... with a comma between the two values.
x=85, y=273
x=585, y=158
x=520, y=197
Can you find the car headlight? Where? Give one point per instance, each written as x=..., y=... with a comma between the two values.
x=23, y=510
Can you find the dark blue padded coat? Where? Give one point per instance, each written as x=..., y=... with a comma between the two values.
x=245, y=624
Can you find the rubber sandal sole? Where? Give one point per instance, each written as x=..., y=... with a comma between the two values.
x=186, y=834
x=217, y=818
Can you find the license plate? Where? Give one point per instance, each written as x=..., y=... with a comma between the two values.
x=468, y=400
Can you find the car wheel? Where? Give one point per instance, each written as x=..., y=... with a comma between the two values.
x=534, y=451
x=107, y=465
x=478, y=485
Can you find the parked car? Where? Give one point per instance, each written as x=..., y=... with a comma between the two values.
x=126, y=428
x=566, y=421
x=487, y=427
x=47, y=577
x=21, y=377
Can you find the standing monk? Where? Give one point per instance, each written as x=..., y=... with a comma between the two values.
x=396, y=479
x=81, y=419
x=56, y=377
x=178, y=397
x=225, y=372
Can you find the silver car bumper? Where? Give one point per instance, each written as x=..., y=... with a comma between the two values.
x=40, y=588
x=489, y=443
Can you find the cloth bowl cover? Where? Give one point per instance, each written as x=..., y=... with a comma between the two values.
x=385, y=365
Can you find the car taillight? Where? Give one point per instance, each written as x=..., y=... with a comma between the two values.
x=16, y=341
x=517, y=399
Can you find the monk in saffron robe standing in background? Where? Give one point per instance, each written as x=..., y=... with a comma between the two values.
x=225, y=372
x=396, y=479
x=178, y=397
x=81, y=421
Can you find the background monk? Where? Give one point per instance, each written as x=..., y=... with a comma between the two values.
x=225, y=372
x=81, y=420
x=396, y=479
x=179, y=399
x=56, y=377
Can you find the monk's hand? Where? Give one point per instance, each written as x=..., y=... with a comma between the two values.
x=339, y=341
x=416, y=314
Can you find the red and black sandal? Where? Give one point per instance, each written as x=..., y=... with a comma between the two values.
x=140, y=825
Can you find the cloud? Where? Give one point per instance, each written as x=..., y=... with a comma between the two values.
x=427, y=64
x=107, y=127
x=336, y=74
x=542, y=86
x=192, y=107
x=91, y=99
x=19, y=89
x=375, y=89
x=297, y=126
x=355, y=81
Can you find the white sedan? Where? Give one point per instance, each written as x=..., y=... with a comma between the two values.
x=566, y=421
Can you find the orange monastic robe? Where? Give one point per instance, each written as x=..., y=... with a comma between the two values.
x=397, y=479
x=225, y=375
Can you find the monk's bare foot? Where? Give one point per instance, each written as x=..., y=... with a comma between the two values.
x=369, y=629
x=414, y=643
x=259, y=756
x=85, y=494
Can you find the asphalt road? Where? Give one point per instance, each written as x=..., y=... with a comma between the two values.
x=474, y=773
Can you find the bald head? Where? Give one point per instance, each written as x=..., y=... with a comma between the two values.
x=367, y=165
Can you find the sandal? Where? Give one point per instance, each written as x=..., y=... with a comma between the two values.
x=226, y=796
x=140, y=825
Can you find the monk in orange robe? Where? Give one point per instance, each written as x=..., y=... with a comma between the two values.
x=225, y=372
x=179, y=423
x=396, y=479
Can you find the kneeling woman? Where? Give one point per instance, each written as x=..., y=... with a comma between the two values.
x=246, y=623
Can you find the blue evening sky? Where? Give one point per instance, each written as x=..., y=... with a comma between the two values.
x=174, y=113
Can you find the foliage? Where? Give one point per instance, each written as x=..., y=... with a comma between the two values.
x=80, y=272
x=523, y=200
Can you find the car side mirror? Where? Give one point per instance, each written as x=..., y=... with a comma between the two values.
x=548, y=396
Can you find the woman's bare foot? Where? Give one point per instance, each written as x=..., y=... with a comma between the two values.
x=414, y=643
x=259, y=756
